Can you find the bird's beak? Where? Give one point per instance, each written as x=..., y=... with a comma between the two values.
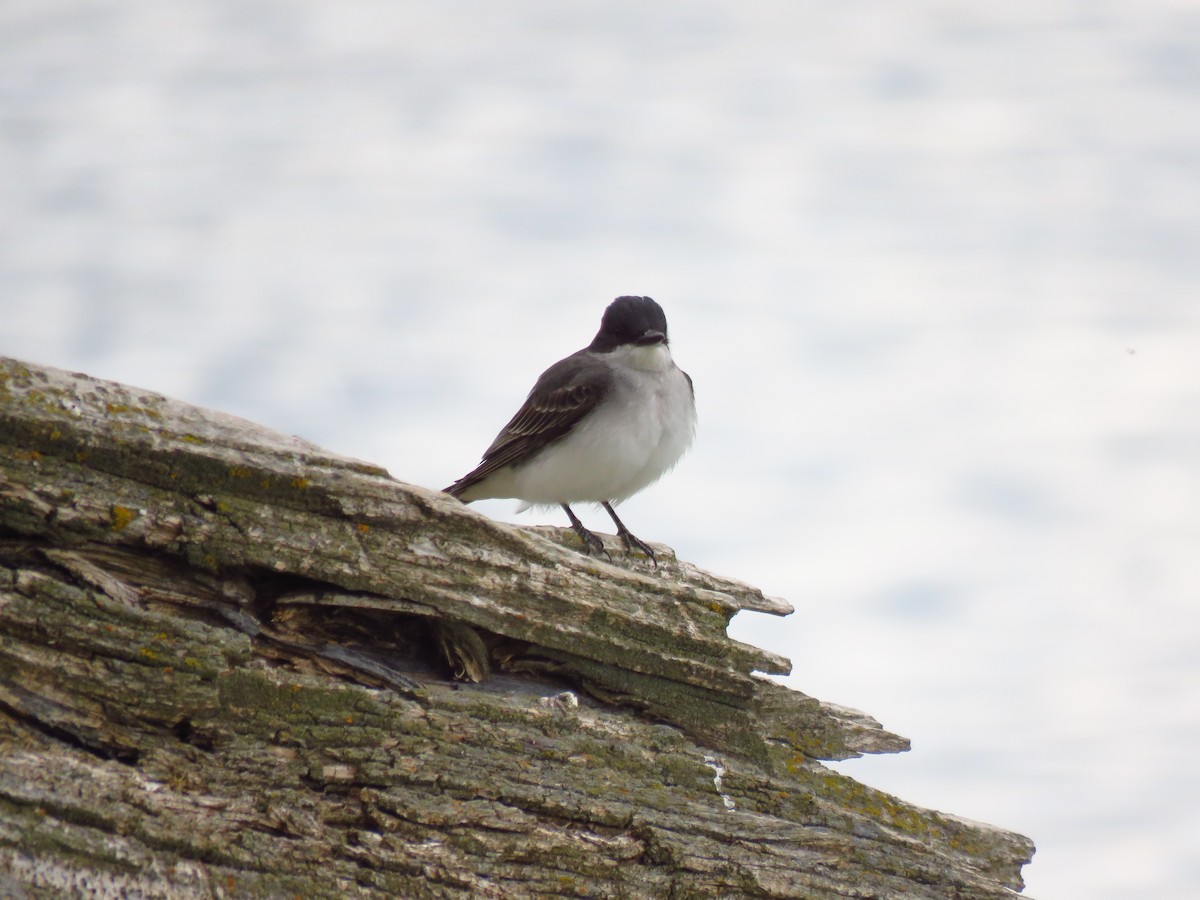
x=651, y=337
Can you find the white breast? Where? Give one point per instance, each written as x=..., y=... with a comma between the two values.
x=639, y=432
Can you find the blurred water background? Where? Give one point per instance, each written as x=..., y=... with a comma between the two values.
x=933, y=266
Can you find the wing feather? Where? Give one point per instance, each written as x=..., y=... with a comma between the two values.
x=564, y=394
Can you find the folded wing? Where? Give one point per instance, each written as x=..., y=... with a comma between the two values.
x=565, y=393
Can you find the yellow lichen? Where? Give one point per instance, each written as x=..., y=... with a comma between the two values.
x=121, y=516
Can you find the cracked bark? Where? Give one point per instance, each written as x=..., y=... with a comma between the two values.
x=228, y=662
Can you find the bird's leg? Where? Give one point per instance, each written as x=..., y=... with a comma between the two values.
x=630, y=540
x=590, y=541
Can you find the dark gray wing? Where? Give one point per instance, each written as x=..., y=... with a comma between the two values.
x=565, y=393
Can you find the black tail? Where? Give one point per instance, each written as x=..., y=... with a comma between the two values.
x=456, y=489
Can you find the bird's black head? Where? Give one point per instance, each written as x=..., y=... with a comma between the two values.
x=630, y=320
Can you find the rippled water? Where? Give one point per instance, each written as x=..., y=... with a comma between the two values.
x=933, y=268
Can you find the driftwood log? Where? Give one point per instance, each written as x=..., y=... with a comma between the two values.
x=235, y=665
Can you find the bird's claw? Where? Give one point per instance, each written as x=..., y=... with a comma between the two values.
x=590, y=541
x=593, y=543
x=632, y=542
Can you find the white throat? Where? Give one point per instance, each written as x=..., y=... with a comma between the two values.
x=651, y=358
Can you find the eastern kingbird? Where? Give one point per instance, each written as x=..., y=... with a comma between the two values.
x=597, y=427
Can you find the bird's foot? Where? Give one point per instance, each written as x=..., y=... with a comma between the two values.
x=627, y=537
x=590, y=541
x=633, y=542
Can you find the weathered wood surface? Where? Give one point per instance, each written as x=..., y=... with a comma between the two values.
x=226, y=669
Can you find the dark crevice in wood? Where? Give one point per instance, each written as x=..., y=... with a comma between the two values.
x=40, y=722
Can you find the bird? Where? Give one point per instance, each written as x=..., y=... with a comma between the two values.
x=597, y=427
